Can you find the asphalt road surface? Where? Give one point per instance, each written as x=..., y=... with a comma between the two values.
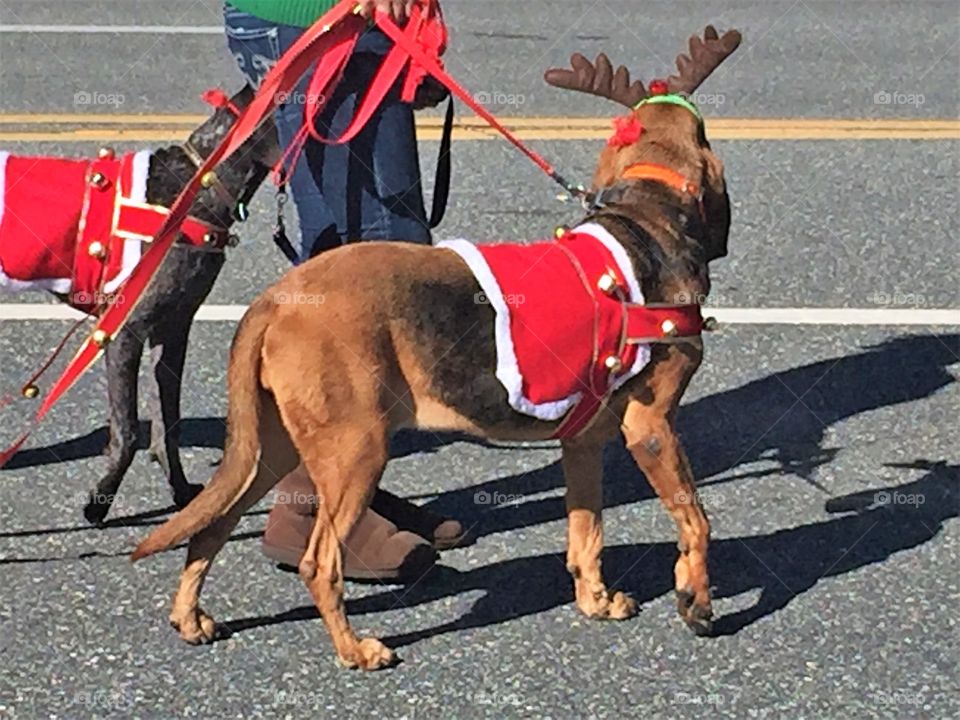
x=825, y=609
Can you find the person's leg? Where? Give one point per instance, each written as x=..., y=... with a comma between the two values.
x=256, y=46
x=372, y=185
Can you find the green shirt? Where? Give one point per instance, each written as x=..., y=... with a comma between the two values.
x=299, y=13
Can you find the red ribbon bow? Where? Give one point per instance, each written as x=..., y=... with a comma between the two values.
x=626, y=131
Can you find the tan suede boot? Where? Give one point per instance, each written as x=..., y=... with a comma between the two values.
x=374, y=550
x=444, y=533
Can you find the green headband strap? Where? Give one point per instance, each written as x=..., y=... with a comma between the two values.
x=671, y=99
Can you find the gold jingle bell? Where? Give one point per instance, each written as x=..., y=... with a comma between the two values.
x=96, y=249
x=98, y=179
x=106, y=153
x=561, y=231
x=100, y=337
x=30, y=391
x=607, y=284
x=710, y=324
x=613, y=363
x=669, y=328
x=208, y=179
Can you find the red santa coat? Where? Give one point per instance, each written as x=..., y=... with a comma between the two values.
x=52, y=216
x=554, y=331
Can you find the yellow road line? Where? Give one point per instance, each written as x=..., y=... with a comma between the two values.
x=472, y=120
x=102, y=118
x=171, y=128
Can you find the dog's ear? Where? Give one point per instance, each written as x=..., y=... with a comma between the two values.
x=716, y=205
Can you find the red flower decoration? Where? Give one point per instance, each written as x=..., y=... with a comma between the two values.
x=626, y=131
x=658, y=87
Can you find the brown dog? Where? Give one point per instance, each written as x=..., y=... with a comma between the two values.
x=399, y=340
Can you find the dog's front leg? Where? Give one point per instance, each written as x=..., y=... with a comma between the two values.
x=583, y=472
x=123, y=367
x=653, y=442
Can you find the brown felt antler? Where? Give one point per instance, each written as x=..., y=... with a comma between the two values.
x=705, y=56
x=600, y=78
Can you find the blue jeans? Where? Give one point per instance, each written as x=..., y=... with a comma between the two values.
x=367, y=189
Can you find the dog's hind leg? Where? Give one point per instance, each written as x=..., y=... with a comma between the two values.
x=277, y=458
x=583, y=471
x=648, y=427
x=167, y=362
x=345, y=465
x=123, y=367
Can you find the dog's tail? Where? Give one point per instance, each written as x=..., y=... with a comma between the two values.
x=241, y=454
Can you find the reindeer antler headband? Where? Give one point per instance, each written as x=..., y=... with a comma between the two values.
x=602, y=80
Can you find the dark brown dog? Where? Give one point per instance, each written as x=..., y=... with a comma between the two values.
x=164, y=313
x=399, y=341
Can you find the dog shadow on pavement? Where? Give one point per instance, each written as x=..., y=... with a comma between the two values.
x=203, y=432
x=780, y=419
x=867, y=528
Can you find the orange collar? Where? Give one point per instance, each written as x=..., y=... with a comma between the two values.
x=660, y=173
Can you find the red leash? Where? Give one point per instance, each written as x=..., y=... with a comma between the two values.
x=332, y=39
x=433, y=66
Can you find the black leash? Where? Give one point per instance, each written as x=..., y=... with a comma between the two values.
x=280, y=238
x=441, y=185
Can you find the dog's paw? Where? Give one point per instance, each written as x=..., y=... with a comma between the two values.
x=607, y=606
x=96, y=509
x=697, y=614
x=196, y=627
x=622, y=606
x=370, y=654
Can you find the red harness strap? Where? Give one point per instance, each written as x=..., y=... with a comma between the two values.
x=110, y=218
x=97, y=248
x=640, y=324
x=141, y=222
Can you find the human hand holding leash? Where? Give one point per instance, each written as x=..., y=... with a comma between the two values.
x=399, y=10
